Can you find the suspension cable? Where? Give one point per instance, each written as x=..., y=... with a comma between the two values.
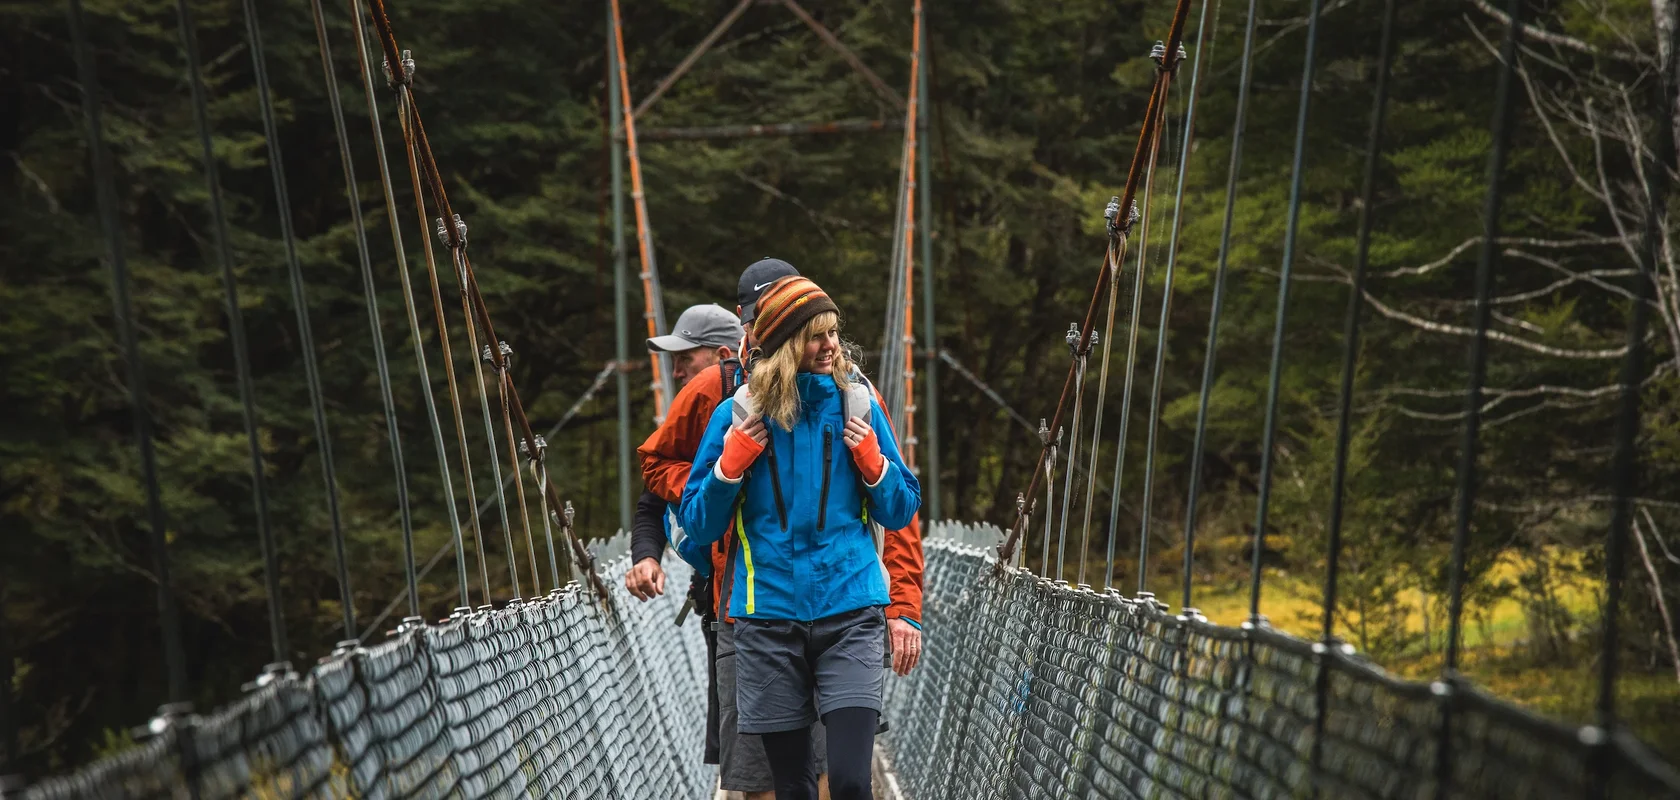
x=236, y=334
x=612, y=368
x=1177, y=226
x=1141, y=216
x=1487, y=262
x=1624, y=468
x=1049, y=492
x=300, y=302
x=1297, y=177
x=503, y=380
x=174, y=658
x=392, y=221
x=1107, y=345
x=421, y=145
x=1350, y=360
x=405, y=124
x=370, y=298
x=1074, y=341
x=539, y=472
x=1131, y=356
x=1133, y=176
x=1221, y=272
x=479, y=354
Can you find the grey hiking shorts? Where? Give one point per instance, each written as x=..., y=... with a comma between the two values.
x=743, y=765
x=790, y=673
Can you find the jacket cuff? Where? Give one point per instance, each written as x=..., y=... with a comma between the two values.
x=717, y=472
x=886, y=466
x=905, y=611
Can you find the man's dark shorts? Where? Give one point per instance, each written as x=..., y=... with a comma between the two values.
x=790, y=673
x=743, y=765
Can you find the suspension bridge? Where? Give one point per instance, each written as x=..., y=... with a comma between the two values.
x=1032, y=686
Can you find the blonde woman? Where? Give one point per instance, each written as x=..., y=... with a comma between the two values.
x=806, y=588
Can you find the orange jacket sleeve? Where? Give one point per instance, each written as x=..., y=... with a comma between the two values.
x=669, y=450
x=901, y=551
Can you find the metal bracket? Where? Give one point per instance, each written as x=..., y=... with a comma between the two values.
x=407, y=63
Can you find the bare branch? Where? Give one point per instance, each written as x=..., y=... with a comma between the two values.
x=1662, y=603
x=40, y=185
x=1657, y=534
x=1536, y=33
x=1519, y=323
x=1498, y=336
x=1526, y=241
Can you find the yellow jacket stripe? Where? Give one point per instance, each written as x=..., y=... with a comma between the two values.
x=746, y=555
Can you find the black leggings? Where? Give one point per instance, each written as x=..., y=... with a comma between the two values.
x=851, y=750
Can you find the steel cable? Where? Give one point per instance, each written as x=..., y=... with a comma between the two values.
x=503, y=380
x=169, y=621
x=370, y=296
x=236, y=333
x=1487, y=263
x=1175, y=33
x=300, y=303
x=405, y=123
x=1274, y=382
x=1138, y=279
x=612, y=368
x=1624, y=467
x=1102, y=402
x=420, y=148
x=401, y=262
x=1159, y=377
x=1221, y=272
x=1350, y=359
x=1079, y=356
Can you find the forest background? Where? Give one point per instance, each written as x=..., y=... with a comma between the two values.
x=1036, y=108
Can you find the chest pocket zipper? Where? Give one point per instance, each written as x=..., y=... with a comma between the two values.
x=776, y=485
x=828, y=472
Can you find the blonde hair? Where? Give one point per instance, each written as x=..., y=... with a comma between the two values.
x=774, y=383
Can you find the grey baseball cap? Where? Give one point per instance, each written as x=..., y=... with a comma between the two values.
x=708, y=325
x=755, y=280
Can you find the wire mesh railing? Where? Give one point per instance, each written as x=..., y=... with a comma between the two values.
x=1031, y=688
x=557, y=696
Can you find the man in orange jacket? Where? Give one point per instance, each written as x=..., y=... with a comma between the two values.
x=667, y=457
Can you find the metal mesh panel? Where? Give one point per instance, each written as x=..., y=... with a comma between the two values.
x=557, y=696
x=1035, y=689
x=1028, y=689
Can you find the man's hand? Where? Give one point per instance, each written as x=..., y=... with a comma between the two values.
x=906, y=645
x=645, y=580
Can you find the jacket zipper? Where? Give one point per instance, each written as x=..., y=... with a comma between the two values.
x=776, y=486
x=827, y=470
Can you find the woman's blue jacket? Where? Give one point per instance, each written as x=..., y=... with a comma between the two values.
x=806, y=550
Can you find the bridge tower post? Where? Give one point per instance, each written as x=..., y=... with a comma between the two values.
x=620, y=311
x=930, y=474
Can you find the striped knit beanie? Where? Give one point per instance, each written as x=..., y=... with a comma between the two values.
x=785, y=308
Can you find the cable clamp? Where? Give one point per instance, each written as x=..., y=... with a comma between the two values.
x=1073, y=337
x=407, y=76
x=1158, y=54
x=1043, y=431
x=167, y=716
x=1112, y=214
x=271, y=673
